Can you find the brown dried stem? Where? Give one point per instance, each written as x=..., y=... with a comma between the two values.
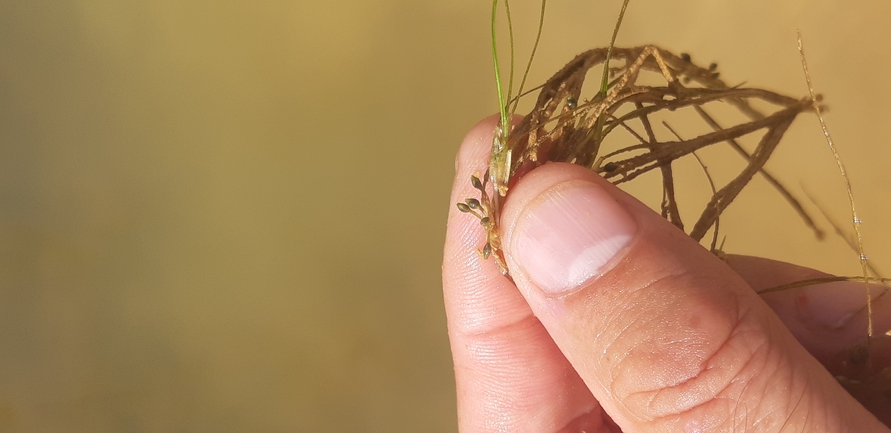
x=564, y=127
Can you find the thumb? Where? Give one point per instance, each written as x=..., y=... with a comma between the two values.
x=663, y=333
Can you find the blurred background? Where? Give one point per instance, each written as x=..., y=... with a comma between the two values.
x=222, y=216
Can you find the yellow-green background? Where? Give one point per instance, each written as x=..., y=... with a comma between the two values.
x=221, y=216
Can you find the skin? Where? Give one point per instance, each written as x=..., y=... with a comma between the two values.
x=665, y=337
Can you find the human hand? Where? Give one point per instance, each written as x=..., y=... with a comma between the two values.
x=617, y=321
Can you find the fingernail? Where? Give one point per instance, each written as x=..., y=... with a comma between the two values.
x=569, y=234
x=832, y=306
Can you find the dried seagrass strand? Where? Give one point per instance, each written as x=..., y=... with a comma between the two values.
x=548, y=135
x=563, y=126
x=855, y=219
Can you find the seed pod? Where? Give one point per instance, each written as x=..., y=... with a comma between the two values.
x=463, y=207
x=484, y=221
x=487, y=251
x=475, y=181
x=473, y=203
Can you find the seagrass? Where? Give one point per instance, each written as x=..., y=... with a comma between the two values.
x=562, y=126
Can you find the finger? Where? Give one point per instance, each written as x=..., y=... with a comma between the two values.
x=666, y=336
x=827, y=319
x=830, y=321
x=510, y=376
